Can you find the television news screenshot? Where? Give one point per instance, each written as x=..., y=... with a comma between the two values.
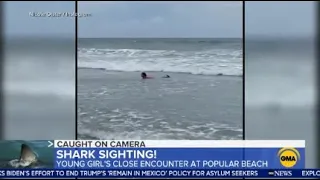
x=159, y=90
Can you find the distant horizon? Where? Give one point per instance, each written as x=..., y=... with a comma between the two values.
x=280, y=37
x=159, y=37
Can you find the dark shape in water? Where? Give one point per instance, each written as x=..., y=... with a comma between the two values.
x=143, y=75
x=27, y=158
x=27, y=154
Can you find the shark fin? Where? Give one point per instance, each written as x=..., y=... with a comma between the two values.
x=27, y=155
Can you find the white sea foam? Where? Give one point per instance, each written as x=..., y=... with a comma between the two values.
x=206, y=62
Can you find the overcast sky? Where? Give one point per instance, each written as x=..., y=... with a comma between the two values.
x=280, y=18
x=161, y=19
x=18, y=22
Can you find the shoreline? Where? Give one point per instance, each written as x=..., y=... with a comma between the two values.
x=114, y=105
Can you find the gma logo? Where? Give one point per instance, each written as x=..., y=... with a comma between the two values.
x=288, y=156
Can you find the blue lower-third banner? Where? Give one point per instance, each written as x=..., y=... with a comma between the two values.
x=179, y=158
x=161, y=173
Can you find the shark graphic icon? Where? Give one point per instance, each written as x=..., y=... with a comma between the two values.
x=27, y=158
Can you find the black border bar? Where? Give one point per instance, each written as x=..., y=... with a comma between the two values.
x=243, y=76
x=76, y=70
x=243, y=71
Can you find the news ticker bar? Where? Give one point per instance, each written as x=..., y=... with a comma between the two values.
x=161, y=173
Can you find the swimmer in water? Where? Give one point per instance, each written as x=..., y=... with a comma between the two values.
x=144, y=76
x=166, y=76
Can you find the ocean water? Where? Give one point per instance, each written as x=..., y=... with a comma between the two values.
x=10, y=150
x=195, y=56
x=280, y=91
x=39, y=88
x=201, y=100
